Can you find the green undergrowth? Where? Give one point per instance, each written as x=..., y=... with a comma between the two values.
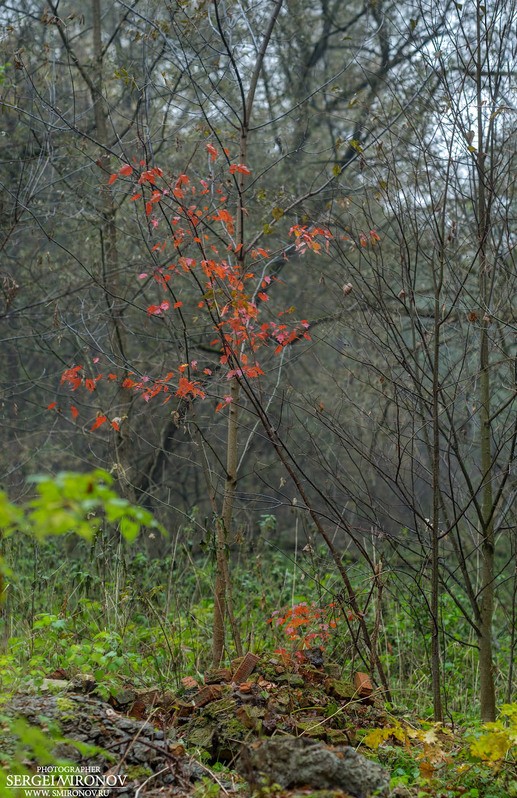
x=127, y=618
x=114, y=611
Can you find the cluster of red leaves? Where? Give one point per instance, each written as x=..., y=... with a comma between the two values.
x=369, y=239
x=307, y=238
x=230, y=293
x=307, y=624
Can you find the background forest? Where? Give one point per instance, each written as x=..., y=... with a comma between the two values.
x=258, y=264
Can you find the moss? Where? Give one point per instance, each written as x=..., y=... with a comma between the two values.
x=137, y=772
x=292, y=679
x=201, y=736
x=65, y=708
x=215, y=708
x=313, y=727
x=341, y=689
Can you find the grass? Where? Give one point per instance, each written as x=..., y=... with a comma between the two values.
x=123, y=615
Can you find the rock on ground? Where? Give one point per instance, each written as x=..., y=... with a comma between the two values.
x=298, y=761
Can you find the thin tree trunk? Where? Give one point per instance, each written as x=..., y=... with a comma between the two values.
x=486, y=668
x=486, y=674
x=223, y=603
x=110, y=255
x=435, y=531
x=222, y=590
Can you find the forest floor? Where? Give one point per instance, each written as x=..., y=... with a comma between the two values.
x=280, y=726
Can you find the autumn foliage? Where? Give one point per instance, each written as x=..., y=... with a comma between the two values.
x=193, y=229
x=306, y=624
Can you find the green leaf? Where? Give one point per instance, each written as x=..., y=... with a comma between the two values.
x=129, y=529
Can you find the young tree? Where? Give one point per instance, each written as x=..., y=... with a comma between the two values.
x=300, y=109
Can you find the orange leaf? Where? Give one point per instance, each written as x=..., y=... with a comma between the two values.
x=52, y=405
x=148, y=177
x=186, y=387
x=74, y=411
x=155, y=310
x=212, y=151
x=239, y=167
x=227, y=401
x=71, y=376
x=99, y=421
x=112, y=179
x=126, y=170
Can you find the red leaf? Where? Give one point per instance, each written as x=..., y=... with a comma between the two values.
x=147, y=177
x=112, y=179
x=227, y=401
x=99, y=421
x=126, y=170
x=223, y=216
x=115, y=425
x=72, y=377
x=212, y=150
x=135, y=197
x=186, y=387
x=155, y=310
x=52, y=405
x=253, y=371
x=74, y=411
x=239, y=167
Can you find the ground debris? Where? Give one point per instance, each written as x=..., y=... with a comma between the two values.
x=86, y=731
x=168, y=742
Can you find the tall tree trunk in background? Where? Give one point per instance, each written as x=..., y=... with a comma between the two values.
x=109, y=277
x=486, y=667
x=483, y=183
x=435, y=521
